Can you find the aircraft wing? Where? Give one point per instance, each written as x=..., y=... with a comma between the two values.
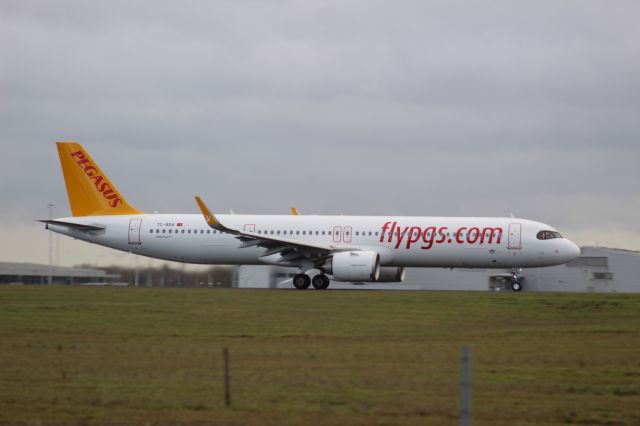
x=289, y=249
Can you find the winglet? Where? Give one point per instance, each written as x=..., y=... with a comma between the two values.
x=211, y=219
x=294, y=211
x=208, y=216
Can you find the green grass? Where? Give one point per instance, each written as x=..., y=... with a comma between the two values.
x=73, y=355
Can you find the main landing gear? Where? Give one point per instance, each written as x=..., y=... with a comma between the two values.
x=516, y=285
x=303, y=281
x=320, y=282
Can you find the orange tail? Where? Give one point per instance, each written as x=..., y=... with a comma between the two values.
x=90, y=192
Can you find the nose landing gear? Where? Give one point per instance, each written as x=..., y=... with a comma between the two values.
x=516, y=285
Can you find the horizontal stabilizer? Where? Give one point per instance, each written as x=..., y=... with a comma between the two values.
x=78, y=226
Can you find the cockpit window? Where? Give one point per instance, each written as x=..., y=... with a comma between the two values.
x=548, y=235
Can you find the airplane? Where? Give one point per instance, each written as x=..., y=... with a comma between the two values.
x=369, y=249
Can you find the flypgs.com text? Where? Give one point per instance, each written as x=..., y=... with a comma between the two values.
x=430, y=235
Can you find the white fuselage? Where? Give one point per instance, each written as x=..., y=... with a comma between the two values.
x=467, y=242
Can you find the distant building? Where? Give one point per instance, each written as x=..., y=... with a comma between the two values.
x=596, y=270
x=32, y=273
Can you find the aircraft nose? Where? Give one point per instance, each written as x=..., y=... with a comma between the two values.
x=573, y=250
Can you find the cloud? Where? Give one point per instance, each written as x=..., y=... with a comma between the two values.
x=443, y=107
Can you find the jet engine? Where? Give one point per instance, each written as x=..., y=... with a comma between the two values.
x=391, y=274
x=362, y=266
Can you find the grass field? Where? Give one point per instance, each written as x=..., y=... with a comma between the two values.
x=73, y=355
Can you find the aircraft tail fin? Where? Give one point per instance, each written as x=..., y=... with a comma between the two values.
x=90, y=192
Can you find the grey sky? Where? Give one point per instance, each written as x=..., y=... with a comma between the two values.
x=364, y=107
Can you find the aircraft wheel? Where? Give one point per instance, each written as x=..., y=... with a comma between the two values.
x=301, y=281
x=516, y=286
x=320, y=282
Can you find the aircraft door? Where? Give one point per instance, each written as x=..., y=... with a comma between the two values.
x=346, y=237
x=337, y=234
x=135, y=226
x=515, y=236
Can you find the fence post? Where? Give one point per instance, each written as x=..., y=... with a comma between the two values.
x=227, y=378
x=465, y=387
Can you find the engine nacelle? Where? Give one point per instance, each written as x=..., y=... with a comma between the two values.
x=391, y=274
x=360, y=266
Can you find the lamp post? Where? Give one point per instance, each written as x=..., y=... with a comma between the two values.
x=136, y=275
x=50, y=281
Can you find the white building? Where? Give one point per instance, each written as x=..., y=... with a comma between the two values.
x=32, y=273
x=596, y=270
